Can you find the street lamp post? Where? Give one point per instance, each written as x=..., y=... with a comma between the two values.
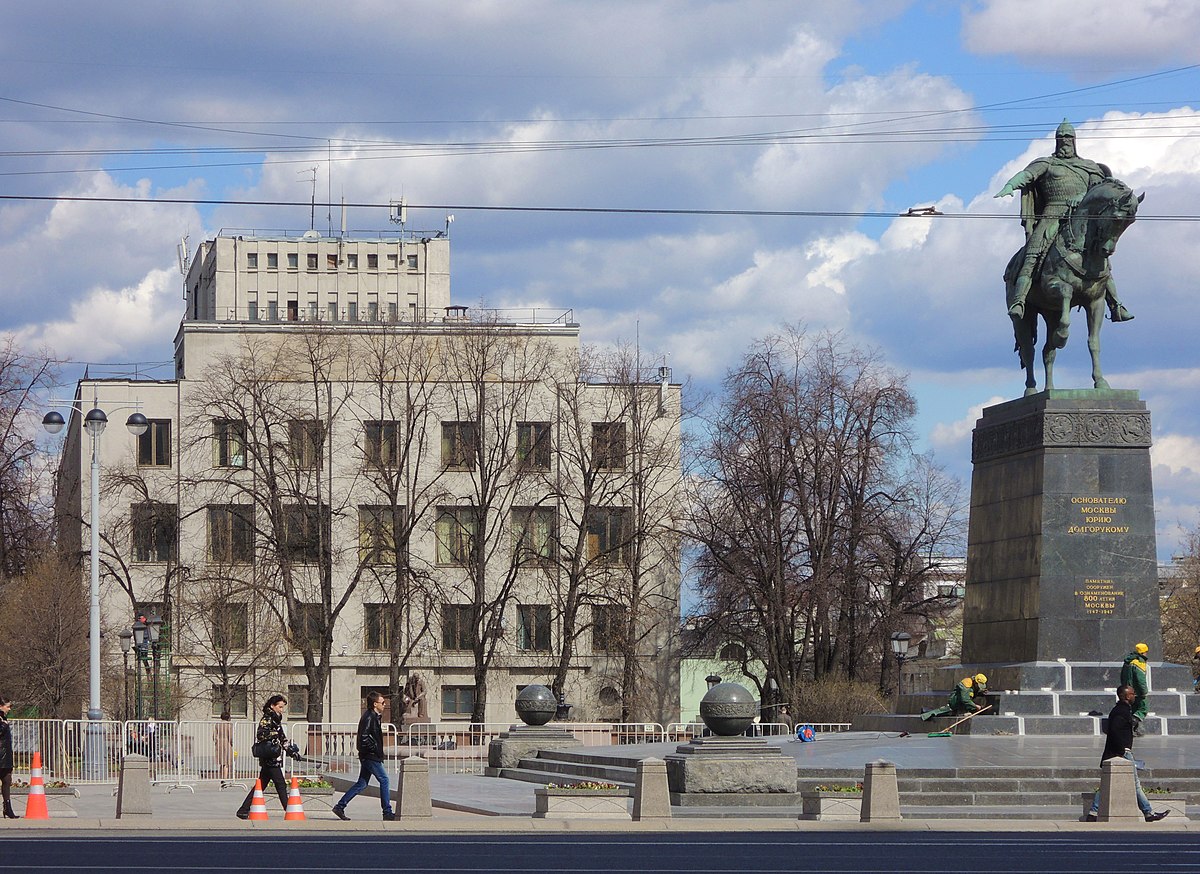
x=900, y=641
x=155, y=624
x=126, y=645
x=94, y=423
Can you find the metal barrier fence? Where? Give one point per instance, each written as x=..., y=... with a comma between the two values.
x=187, y=752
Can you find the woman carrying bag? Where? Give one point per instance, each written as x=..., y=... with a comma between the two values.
x=6, y=757
x=270, y=743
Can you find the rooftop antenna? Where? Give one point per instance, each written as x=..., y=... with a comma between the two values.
x=398, y=212
x=312, y=214
x=181, y=252
x=329, y=184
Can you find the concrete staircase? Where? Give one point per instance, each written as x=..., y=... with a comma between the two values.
x=574, y=765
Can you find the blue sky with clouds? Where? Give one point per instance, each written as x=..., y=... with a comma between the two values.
x=827, y=107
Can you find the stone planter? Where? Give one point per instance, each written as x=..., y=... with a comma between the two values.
x=831, y=806
x=1174, y=802
x=581, y=804
x=57, y=790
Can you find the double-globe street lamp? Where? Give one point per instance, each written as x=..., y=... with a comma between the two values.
x=94, y=423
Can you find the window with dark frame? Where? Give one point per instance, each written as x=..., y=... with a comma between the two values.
x=608, y=535
x=153, y=526
x=608, y=445
x=456, y=530
x=154, y=446
x=533, y=627
x=297, y=705
x=608, y=627
x=229, y=443
x=231, y=533
x=305, y=533
x=272, y=260
x=312, y=261
x=381, y=444
x=238, y=701
x=460, y=443
x=306, y=626
x=533, y=445
x=458, y=702
x=458, y=631
x=379, y=528
x=230, y=627
x=372, y=261
x=306, y=439
x=377, y=627
x=534, y=536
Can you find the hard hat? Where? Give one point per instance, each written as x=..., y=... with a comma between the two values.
x=1141, y=648
x=1198, y=650
x=981, y=679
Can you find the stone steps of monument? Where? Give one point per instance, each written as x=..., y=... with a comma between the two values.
x=1037, y=725
x=1043, y=703
x=542, y=777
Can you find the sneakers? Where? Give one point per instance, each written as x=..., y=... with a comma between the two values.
x=1091, y=817
x=388, y=816
x=1155, y=817
x=340, y=813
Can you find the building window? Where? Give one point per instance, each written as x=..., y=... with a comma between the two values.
x=457, y=529
x=460, y=443
x=533, y=535
x=293, y=261
x=331, y=263
x=458, y=702
x=381, y=444
x=609, y=696
x=533, y=627
x=533, y=445
x=236, y=701
x=251, y=260
x=154, y=446
x=392, y=261
x=153, y=527
x=608, y=445
x=305, y=438
x=305, y=537
x=297, y=702
x=458, y=631
x=229, y=443
x=231, y=533
x=412, y=262
x=608, y=535
x=331, y=311
x=732, y=652
x=379, y=529
x=230, y=627
x=372, y=261
x=352, y=311
x=377, y=627
x=373, y=311
x=352, y=261
x=272, y=260
x=306, y=625
x=608, y=628
x=311, y=261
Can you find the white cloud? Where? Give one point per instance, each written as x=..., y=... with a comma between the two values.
x=951, y=436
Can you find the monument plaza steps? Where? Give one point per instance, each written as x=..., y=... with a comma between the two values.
x=973, y=792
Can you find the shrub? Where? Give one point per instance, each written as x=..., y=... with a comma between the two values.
x=836, y=699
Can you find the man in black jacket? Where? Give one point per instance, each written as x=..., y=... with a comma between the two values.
x=1119, y=745
x=370, y=754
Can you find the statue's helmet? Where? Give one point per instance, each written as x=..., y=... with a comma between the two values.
x=1065, y=131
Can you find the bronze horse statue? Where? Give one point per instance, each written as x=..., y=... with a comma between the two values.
x=1074, y=272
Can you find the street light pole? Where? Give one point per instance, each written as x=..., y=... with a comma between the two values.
x=94, y=423
x=900, y=641
x=126, y=644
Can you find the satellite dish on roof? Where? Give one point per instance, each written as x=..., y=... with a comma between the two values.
x=312, y=235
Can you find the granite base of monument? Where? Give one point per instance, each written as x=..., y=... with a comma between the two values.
x=731, y=771
x=521, y=742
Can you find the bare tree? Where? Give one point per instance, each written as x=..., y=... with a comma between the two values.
x=1181, y=603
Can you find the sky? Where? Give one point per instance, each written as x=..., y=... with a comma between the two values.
x=789, y=139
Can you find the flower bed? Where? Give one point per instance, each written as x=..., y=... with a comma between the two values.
x=580, y=802
x=836, y=804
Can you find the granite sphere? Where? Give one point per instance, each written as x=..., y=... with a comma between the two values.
x=728, y=709
x=536, y=705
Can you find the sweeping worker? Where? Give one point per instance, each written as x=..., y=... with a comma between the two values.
x=962, y=698
x=1133, y=673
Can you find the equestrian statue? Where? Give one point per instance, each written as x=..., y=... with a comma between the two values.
x=1073, y=212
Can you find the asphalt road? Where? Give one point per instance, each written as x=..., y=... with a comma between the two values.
x=866, y=852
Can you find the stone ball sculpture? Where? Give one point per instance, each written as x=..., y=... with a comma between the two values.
x=536, y=705
x=728, y=709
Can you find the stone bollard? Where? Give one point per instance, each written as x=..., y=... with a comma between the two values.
x=133, y=787
x=412, y=792
x=881, y=793
x=1118, y=797
x=651, y=797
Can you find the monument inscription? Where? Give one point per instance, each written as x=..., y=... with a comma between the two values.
x=1100, y=598
x=1098, y=515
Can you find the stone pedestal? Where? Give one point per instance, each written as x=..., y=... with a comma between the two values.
x=651, y=791
x=881, y=793
x=413, y=798
x=133, y=787
x=731, y=771
x=1118, y=797
x=520, y=742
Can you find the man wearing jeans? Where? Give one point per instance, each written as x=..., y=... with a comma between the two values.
x=370, y=754
x=1119, y=744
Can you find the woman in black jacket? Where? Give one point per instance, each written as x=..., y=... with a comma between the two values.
x=272, y=738
x=6, y=757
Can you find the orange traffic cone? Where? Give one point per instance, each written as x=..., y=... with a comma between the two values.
x=258, y=804
x=295, y=808
x=35, y=803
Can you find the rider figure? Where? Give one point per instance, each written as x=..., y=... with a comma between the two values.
x=1050, y=188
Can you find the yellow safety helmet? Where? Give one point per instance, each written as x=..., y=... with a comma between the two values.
x=981, y=679
x=1141, y=649
x=1198, y=650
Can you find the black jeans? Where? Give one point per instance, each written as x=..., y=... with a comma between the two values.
x=271, y=773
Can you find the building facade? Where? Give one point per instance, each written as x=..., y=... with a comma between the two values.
x=353, y=484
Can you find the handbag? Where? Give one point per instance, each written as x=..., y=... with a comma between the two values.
x=264, y=749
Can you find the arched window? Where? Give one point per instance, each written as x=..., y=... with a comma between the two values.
x=732, y=652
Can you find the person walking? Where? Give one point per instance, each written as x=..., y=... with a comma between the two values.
x=223, y=746
x=270, y=743
x=6, y=758
x=1133, y=673
x=370, y=756
x=1118, y=743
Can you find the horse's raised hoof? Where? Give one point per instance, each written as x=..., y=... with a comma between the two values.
x=1031, y=390
x=1059, y=338
x=1017, y=311
x=1101, y=384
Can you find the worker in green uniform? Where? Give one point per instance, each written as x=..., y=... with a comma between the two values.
x=962, y=698
x=1133, y=673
